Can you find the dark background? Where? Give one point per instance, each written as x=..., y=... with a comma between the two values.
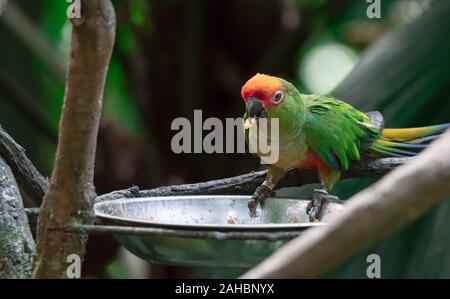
x=174, y=56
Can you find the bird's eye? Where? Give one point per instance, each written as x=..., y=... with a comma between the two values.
x=278, y=96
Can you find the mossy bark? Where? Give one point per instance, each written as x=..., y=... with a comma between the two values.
x=17, y=246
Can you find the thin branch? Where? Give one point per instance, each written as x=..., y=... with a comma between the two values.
x=28, y=177
x=71, y=193
x=396, y=200
x=16, y=242
x=246, y=184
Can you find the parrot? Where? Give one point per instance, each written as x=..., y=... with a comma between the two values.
x=321, y=133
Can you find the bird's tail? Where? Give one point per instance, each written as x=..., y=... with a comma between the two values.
x=406, y=142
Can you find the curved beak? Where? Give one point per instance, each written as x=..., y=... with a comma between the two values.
x=255, y=108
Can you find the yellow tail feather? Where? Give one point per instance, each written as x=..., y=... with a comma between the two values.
x=406, y=142
x=402, y=135
x=407, y=134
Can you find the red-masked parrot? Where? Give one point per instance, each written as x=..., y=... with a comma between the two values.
x=322, y=133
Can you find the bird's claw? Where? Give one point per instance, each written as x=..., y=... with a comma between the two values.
x=260, y=195
x=315, y=205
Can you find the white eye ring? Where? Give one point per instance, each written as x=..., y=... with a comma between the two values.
x=278, y=96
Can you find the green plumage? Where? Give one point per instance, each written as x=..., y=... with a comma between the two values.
x=335, y=129
x=330, y=128
x=323, y=133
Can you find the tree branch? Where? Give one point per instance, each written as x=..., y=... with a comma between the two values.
x=71, y=193
x=396, y=200
x=246, y=183
x=16, y=242
x=28, y=177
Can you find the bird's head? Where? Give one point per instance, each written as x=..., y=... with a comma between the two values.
x=270, y=97
x=261, y=94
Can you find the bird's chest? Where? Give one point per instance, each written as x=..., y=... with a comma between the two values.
x=289, y=151
x=292, y=152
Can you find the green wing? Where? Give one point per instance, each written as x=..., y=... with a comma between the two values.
x=336, y=131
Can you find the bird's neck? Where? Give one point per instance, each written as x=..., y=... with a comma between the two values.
x=291, y=118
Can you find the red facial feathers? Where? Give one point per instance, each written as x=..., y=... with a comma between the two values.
x=262, y=87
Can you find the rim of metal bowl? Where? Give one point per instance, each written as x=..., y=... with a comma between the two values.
x=206, y=226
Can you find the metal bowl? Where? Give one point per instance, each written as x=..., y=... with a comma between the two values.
x=211, y=230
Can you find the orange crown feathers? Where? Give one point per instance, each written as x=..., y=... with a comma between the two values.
x=261, y=86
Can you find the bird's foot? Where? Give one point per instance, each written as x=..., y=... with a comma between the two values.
x=260, y=195
x=315, y=205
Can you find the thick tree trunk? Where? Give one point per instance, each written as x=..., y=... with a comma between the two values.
x=16, y=242
x=71, y=193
